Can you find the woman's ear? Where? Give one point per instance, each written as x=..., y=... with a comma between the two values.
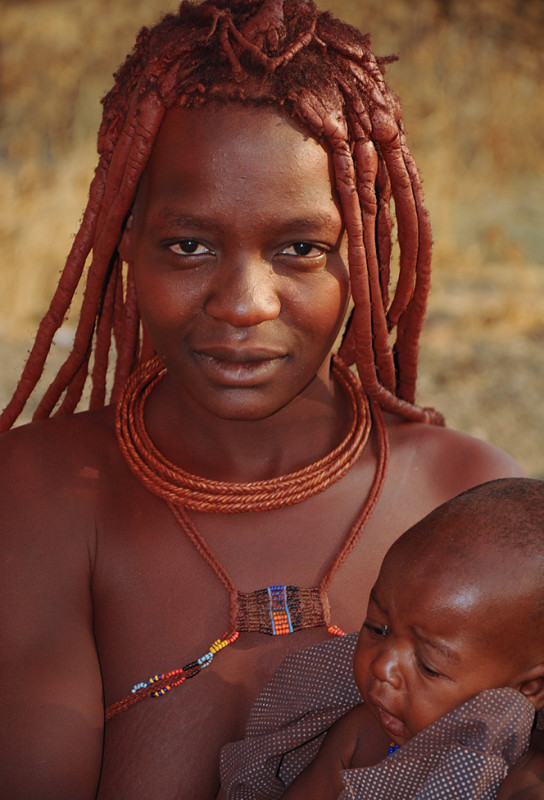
x=125, y=245
x=532, y=686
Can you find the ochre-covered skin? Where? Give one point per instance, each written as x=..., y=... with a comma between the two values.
x=242, y=288
x=321, y=73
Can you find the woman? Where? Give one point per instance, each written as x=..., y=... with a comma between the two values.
x=239, y=482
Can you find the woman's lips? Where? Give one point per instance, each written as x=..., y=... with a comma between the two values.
x=239, y=367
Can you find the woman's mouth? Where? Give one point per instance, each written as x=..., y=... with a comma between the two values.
x=239, y=367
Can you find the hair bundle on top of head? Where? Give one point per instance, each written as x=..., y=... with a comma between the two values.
x=319, y=71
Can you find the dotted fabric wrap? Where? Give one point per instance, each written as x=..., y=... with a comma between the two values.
x=465, y=754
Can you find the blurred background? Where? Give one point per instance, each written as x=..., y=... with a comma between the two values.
x=470, y=77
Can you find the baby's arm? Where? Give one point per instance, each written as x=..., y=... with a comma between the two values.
x=321, y=780
x=525, y=781
x=354, y=740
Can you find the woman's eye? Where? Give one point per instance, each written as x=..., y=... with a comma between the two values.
x=189, y=247
x=302, y=249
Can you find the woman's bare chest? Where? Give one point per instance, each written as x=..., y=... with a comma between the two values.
x=160, y=605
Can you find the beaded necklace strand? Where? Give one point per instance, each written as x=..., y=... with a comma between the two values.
x=275, y=610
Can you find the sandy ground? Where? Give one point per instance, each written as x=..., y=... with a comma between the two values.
x=481, y=357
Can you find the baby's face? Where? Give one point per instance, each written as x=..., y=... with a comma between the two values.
x=431, y=640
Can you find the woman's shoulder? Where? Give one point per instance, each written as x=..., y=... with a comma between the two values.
x=51, y=451
x=446, y=460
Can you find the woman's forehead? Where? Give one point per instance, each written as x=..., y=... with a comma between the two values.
x=225, y=125
x=260, y=151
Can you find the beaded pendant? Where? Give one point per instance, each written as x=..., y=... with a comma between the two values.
x=279, y=610
x=276, y=611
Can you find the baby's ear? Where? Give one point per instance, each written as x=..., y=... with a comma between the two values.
x=125, y=245
x=533, y=686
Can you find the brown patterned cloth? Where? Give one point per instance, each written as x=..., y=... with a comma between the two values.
x=465, y=754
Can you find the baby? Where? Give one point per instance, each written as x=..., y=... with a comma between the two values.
x=458, y=608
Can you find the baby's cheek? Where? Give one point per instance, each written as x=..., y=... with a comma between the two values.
x=361, y=670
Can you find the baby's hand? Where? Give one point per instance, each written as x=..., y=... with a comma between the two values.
x=525, y=781
x=535, y=792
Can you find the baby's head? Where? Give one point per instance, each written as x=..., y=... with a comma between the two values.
x=458, y=607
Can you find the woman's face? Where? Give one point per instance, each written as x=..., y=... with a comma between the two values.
x=239, y=258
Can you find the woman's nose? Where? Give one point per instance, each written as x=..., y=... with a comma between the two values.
x=244, y=293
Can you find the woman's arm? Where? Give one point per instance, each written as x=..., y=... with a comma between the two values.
x=50, y=681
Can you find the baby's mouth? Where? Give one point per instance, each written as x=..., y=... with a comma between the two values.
x=391, y=724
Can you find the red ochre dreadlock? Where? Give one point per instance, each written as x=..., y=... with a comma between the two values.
x=321, y=72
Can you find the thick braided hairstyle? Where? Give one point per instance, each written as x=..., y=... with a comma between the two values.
x=321, y=72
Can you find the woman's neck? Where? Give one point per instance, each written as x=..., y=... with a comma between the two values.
x=298, y=434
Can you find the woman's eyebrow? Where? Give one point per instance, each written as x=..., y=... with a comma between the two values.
x=177, y=219
x=315, y=221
